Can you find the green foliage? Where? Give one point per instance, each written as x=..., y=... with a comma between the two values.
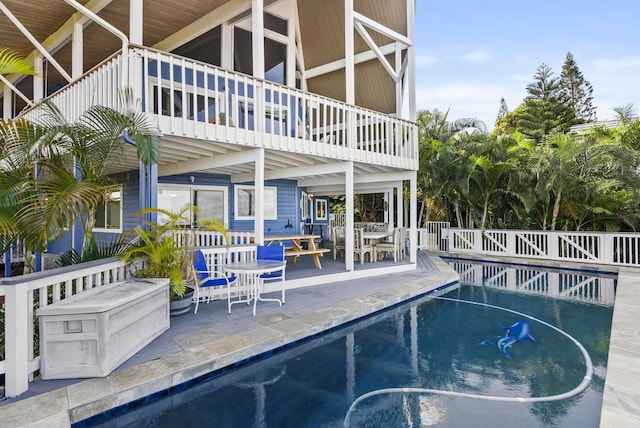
x=55, y=173
x=577, y=92
x=10, y=63
x=509, y=180
x=165, y=250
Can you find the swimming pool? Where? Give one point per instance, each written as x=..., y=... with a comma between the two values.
x=427, y=343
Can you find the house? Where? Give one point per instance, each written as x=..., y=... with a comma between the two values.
x=259, y=103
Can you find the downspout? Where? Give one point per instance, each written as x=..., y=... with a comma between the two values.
x=110, y=28
x=146, y=196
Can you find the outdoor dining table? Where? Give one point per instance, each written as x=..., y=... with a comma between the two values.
x=374, y=237
x=297, y=247
x=251, y=269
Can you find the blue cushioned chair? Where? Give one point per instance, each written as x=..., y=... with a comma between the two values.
x=272, y=252
x=210, y=285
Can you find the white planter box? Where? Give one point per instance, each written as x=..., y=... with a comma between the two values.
x=90, y=334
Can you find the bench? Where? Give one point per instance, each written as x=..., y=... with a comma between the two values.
x=316, y=253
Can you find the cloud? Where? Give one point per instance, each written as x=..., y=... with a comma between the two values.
x=424, y=58
x=479, y=55
x=616, y=65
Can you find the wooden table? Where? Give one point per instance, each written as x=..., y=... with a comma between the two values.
x=297, y=249
x=373, y=237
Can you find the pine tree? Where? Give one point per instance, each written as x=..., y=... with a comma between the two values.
x=576, y=91
x=503, y=108
x=545, y=110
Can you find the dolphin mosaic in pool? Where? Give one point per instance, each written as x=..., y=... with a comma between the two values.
x=515, y=333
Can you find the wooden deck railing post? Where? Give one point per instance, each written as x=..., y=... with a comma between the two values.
x=16, y=339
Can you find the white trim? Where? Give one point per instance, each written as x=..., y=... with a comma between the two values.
x=193, y=187
x=269, y=192
x=120, y=188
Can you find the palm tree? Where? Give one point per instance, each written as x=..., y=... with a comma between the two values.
x=56, y=173
x=11, y=63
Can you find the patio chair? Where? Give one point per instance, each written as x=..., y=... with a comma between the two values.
x=271, y=252
x=360, y=249
x=210, y=285
x=338, y=240
x=391, y=247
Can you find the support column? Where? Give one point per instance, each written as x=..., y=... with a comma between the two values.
x=16, y=340
x=38, y=79
x=77, y=47
x=413, y=217
x=349, y=53
x=7, y=105
x=136, y=22
x=411, y=62
x=257, y=37
x=258, y=219
x=348, y=235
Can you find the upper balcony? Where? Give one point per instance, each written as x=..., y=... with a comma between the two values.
x=222, y=111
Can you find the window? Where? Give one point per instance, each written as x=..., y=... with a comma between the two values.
x=210, y=202
x=109, y=213
x=245, y=202
x=321, y=209
x=305, y=203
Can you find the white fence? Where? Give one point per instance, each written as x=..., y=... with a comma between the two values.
x=622, y=249
x=24, y=294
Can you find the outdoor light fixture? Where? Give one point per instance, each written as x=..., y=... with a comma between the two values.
x=310, y=196
x=192, y=178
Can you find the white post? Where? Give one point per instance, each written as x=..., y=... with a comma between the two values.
x=135, y=21
x=348, y=236
x=77, y=47
x=258, y=219
x=16, y=340
x=38, y=80
x=349, y=53
x=413, y=217
x=7, y=105
x=411, y=67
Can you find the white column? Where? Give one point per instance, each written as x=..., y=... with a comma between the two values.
x=77, y=47
x=136, y=22
x=349, y=53
x=38, y=80
x=290, y=78
x=413, y=217
x=400, y=201
x=258, y=220
x=348, y=235
x=7, y=105
x=227, y=46
x=411, y=63
x=257, y=37
x=16, y=340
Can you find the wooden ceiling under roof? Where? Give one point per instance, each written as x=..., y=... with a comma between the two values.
x=321, y=29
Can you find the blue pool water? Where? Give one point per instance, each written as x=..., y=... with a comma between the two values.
x=427, y=343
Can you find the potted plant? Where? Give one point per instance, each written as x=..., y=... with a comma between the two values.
x=164, y=249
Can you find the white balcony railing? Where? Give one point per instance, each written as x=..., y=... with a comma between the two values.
x=196, y=100
x=622, y=249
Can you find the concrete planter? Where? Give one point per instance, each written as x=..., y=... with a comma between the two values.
x=90, y=334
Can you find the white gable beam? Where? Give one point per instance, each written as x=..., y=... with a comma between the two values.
x=340, y=63
x=376, y=26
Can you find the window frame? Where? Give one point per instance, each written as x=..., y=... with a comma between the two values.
x=105, y=206
x=269, y=192
x=192, y=188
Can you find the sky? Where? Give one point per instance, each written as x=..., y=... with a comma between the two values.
x=471, y=53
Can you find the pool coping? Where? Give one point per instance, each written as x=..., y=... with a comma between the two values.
x=88, y=398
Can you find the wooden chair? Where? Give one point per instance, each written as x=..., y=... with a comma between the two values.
x=359, y=247
x=338, y=240
x=392, y=247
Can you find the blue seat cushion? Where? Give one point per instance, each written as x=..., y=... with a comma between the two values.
x=217, y=282
x=271, y=275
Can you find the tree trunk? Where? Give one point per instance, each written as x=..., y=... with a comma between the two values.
x=556, y=210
